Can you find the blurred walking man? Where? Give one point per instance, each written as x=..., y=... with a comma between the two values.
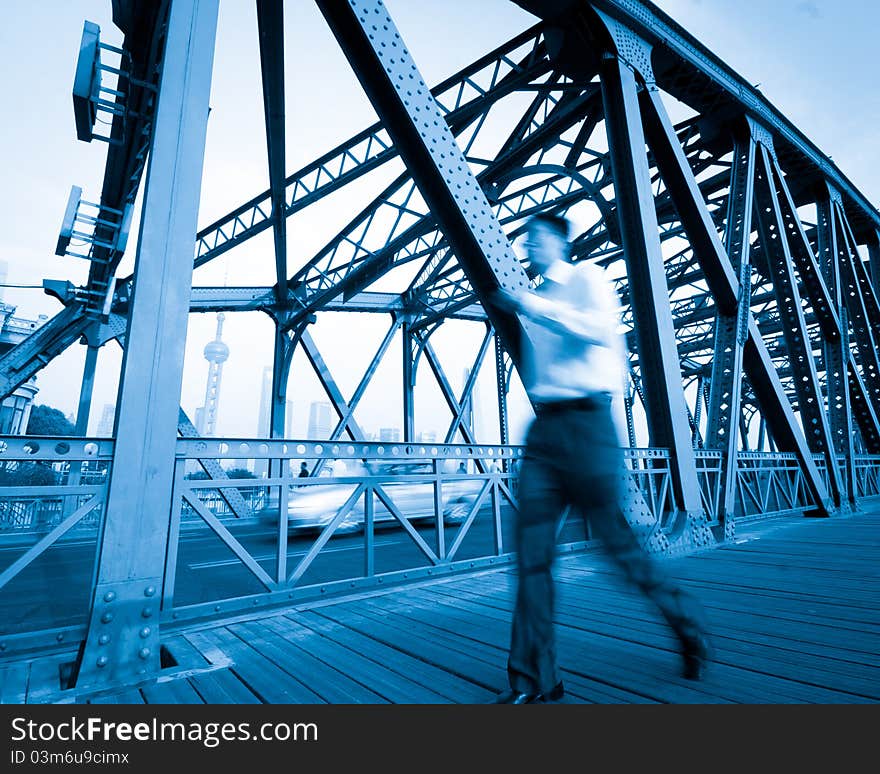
x=572, y=364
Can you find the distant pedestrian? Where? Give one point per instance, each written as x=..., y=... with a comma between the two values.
x=303, y=470
x=572, y=365
x=462, y=468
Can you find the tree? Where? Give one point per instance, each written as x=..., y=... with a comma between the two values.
x=27, y=474
x=45, y=420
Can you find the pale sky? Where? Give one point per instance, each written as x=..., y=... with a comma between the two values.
x=814, y=60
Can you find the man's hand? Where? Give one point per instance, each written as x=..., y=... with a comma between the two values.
x=504, y=299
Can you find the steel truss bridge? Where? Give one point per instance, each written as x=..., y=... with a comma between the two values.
x=747, y=263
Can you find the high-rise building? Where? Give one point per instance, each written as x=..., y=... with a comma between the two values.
x=389, y=434
x=319, y=421
x=108, y=416
x=263, y=423
x=427, y=436
x=467, y=406
x=15, y=410
x=216, y=353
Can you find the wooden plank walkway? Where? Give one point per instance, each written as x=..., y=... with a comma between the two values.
x=793, y=610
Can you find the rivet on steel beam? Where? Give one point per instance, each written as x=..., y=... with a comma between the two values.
x=147, y=612
x=102, y=661
x=107, y=617
x=110, y=596
x=149, y=591
x=59, y=637
x=144, y=653
x=103, y=639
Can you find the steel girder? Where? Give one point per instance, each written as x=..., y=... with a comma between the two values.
x=524, y=64
x=461, y=98
x=270, y=24
x=836, y=351
x=661, y=373
x=122, y=642
x=731, y=330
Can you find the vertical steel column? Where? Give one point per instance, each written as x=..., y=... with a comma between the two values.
x=874, y=259
x=649, y=294
x=409, y=381
x=798, y=345
x=862, y=307
x=628, y=398
x=86, y=390
x=720, y=277
x=122, y=642
x=270, y=25
x=698, y=413
x=836, y=353
x=282, y=358
x=731, y=330
x=503, y=388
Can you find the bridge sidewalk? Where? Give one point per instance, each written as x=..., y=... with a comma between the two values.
x=793, y=608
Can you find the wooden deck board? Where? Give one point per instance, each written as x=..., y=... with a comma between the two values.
x=793, y=609
x=263, y=678
x=222, y=687
x=333, y=685
x=14, y=682
x=172, y=692
x=439, y=684
x=790, y=663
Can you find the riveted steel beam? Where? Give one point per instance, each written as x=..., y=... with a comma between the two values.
x=122, y=643
x=772, y=229
x=731, y=331
x=724, y=287
x=391, y=80
x=270, y=27
x=836, y=352
x=665, y=402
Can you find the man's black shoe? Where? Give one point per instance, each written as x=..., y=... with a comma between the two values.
x=696, y=654
x=520, y=697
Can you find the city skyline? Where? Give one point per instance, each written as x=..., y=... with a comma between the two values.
x=48, y=155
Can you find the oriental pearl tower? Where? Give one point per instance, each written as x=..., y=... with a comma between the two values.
x=216, y=353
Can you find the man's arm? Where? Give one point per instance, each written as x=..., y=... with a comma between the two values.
x=595, y=324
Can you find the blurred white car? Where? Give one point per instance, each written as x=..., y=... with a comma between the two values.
x=313, y=506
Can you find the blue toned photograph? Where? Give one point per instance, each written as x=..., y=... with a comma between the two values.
x=435, y=353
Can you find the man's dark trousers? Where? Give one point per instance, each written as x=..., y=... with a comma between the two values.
x=573, y=458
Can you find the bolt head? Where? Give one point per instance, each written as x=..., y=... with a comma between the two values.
x=103, y=639
x=144, y=653
x=110, y=596
x=102, y=661
x=145, y=632
x=107, y=617
x=147, y=612
x=149, y=591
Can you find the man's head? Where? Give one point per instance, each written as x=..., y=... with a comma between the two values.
x=546, y=241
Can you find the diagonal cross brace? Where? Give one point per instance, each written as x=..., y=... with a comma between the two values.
x=724, y=286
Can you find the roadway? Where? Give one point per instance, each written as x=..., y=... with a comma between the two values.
x=54, y=590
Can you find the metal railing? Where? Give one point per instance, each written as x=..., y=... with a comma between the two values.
x=709, y=477
x=380, y=513
x=867, y=475
x=769, y=484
